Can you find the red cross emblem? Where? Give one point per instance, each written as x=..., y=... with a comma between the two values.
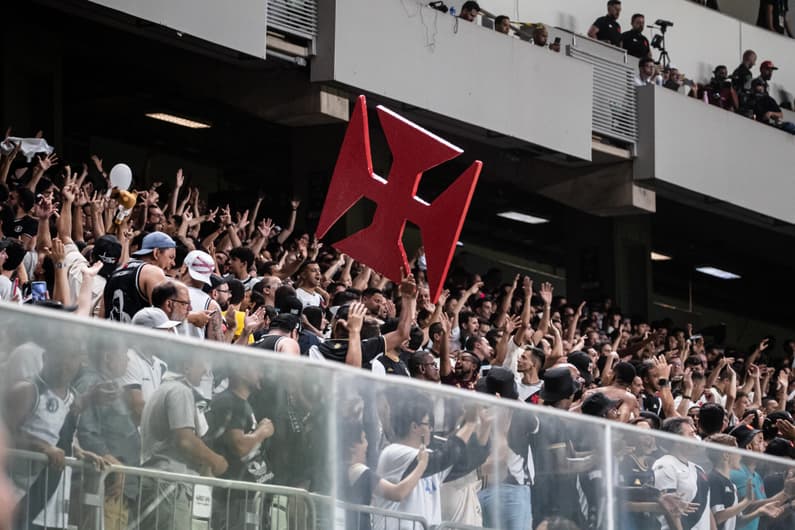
x=414, y=151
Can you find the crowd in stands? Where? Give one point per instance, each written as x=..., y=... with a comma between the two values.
x=176, y=264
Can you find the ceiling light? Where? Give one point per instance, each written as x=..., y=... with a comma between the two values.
x=178, y=120
x=522, y=218
x=718, y=273
x=656, y=256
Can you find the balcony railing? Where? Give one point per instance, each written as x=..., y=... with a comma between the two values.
x=293, y=17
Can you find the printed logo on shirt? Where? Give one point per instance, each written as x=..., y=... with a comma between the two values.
x=52, y=405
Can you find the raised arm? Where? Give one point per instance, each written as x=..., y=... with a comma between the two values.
x=287, y=232
x=356, y=314
x=505, y=303
x=545, y=293
x=408, y=308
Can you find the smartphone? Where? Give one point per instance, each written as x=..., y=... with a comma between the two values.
x=557, y=40
x=38, y=291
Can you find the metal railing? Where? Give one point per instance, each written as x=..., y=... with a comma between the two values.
x=389, y=519
x=614, y=96
x=293, y=17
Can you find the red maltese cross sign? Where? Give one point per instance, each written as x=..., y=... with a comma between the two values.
x=414, y=151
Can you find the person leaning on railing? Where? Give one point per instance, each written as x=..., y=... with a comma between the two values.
x=171, y=433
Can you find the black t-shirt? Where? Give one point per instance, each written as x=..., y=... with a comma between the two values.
x=358, y=489
x=780, y=10
x=763, y=104
x=393, y=367
x=25, y=225
x=229, y=411
x=741, y=78
x=609, y=30
x=653, y=404
x=337, y=350
x=636, y=44
x=722, y=496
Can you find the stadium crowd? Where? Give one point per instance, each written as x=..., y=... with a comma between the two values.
x=171, y=262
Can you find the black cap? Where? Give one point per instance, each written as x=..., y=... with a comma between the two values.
x=598, y=404
x=107, y=249
x=744, y=434
x=780, y=447
x=499, y=381
x=290, y=305
x=757, y=82
x=583, y=363
x=558, y=384
x=217, y=281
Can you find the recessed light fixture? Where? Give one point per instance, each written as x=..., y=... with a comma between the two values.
x=178, y=120
x=459, y=244
x=656, y=256
x=718, y=273
x=522, y=218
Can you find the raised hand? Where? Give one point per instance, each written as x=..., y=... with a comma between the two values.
x=356, y=314
x=97, y=163
x=527, y=286
x=295, y=203
x=545, y=292
x=47, y=162
x=408, y=287
x=180, y=178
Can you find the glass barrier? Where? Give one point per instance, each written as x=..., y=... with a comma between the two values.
x=266, y=441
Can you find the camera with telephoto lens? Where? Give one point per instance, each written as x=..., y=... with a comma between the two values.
x=439, y=6
x=664, y=24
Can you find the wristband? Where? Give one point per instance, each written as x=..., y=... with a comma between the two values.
x=662, y=382
x=689, y=398
x=60, y=265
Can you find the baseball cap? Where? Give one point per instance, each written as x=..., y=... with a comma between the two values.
x=217, y=281
x=107, y=249
x=769, y=65
x=153, y=241
x=744, y=434
x=598, y=404
x=200, y=266
x=498, y=380
x=558, y=384
x=154, y=318
x=755, y=82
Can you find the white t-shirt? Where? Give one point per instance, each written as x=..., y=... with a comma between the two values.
x=142, y=373
x=308, y=299
x=75, y=262
x=670, y=473
x=6, y=289
x=424, y=500
x=23, y=363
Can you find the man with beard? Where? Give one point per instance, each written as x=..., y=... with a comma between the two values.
x=465, y=373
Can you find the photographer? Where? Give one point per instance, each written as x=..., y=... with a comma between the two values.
x=720, y=91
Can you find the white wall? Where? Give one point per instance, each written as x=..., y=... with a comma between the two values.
x=710, y=151
x=239, y=25
x=460, y=70
x=700, y=39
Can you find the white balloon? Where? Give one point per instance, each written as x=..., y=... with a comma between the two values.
x=121, y=176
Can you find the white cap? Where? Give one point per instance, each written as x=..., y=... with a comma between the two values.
x=200, y=265
x=153, y=317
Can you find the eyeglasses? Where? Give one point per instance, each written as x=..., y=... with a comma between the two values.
x=222, y=290
x=180, y=301
x=426, y=423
